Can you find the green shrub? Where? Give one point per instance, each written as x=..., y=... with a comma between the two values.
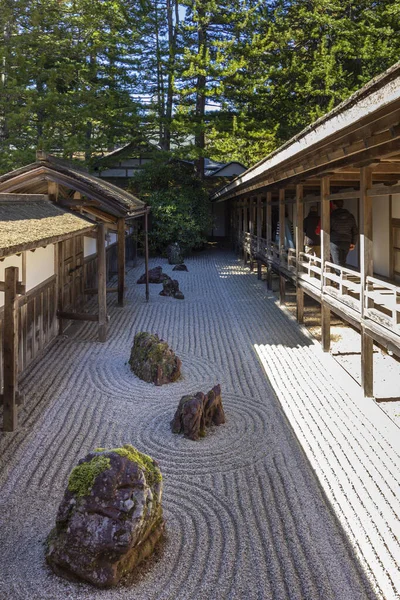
x=180, y=208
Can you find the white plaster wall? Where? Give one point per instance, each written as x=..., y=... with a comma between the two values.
x=39, y=266
x=10, y=261
x=396, y=206
x=380, y=235
x=89, y=246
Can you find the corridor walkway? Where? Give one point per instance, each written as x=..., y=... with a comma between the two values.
x=246, y=516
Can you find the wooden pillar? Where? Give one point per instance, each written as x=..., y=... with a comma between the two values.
x=240, y=226
x=245, y=227
x=146, y=252
x=10, y=350
x=299, y=248
x=252, y=224
x=367, y=269
x=121, y=260
x=282, y=280
x=325, y=256
x=60, y=285
x=259, y=222
x=101, y=282
x=268, y=219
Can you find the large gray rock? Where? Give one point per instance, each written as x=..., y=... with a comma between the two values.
x=175, y=255
x=110, y=518
x=198, y=411
x=156, y=275
x=153, y=360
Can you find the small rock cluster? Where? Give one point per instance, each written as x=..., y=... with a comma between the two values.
x=181, y=267
x=152, y=360
x=170, y=286
x=110, y=518
x=198, y=411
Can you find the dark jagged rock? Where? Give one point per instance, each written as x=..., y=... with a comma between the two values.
x=175, y=255
x=156, y=275
x=171, y=288
x=110, y=518
x=198, y=411
x=153, y=360
x=181, y=267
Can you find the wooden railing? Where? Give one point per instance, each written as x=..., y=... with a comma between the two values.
x=310, y=269
x=344, y=284
x=382, y=303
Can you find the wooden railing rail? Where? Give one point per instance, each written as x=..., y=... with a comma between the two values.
x=382, y=303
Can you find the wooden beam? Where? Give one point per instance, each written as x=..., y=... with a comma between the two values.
x=121, y=261
x=282, y=280
x=10, y=350
x=21, y=288
x=325, y=327
x=60, y=284
x=102, y=284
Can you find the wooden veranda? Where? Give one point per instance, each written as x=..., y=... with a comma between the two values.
x=351, y=154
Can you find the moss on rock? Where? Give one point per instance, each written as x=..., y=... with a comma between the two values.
x=83, y=476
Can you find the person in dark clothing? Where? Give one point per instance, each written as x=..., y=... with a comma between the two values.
x=312, y=241
x=344, y=233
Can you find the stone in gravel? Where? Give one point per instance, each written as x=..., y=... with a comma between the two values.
x=171, y=288
x=110, y=518
x=181, y=267
x=198, y=411
x=174, y=253
x=156, y=275
x=152, y=360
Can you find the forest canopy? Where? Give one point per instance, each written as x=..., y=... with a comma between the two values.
x=228, y=80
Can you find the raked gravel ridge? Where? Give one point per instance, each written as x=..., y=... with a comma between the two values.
x=245, y=515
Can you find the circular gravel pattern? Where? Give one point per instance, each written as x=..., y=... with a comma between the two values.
x=245, y=516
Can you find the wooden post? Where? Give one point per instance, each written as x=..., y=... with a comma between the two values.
x=259, y=222
x=102, y=284
x=245, y=228
x=367, y=364
x=121, y=260
x=299, y=248
x=10, y=350
x=269, y=236
x=367, y=269
x=282, y=280
x=252, y=223
x=146, y=252
x=325, y=256
x=60, y=285
x=240, y=227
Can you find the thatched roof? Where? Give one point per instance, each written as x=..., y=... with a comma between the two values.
x=29, y=221
x=34, y=178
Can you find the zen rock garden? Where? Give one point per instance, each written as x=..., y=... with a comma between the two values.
x=197, y=412
x=152, y=360
x=110, y=518
x=170, y=286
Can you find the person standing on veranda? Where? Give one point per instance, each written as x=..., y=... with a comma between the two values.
x=344, y=233
x=312, y=239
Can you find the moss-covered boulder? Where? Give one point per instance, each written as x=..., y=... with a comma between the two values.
x=171, y=288
x=110, y=518
x=198, y=411
x=153, y=360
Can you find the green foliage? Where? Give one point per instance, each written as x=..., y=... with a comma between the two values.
x=180, y=208
x=83, y=476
